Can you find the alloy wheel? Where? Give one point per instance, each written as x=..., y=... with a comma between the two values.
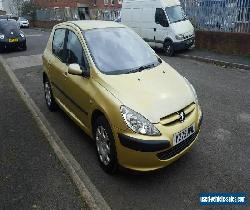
x=103, y=145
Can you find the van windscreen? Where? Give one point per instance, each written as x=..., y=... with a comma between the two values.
x=175, y=14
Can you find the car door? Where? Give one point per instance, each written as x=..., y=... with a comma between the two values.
x=78, y=87
x=58, y=68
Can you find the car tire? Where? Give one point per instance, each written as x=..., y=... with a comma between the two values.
x=105, y=145
x=2, y=48
x=24, y=47
x=168, y=48
x=49, y=98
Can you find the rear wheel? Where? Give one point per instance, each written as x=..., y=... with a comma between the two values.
x=168, y=48
x=49, y=98
x=105, y=145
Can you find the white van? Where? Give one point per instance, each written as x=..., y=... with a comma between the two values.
x=161, y=23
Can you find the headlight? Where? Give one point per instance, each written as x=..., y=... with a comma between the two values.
x=138, y=123
x=1, y=36
x=22, y=35
x=179, y=37
x=193, y=90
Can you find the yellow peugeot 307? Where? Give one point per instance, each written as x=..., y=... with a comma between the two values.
x=141, y=113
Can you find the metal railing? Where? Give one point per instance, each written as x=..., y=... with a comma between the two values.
x=219, y=15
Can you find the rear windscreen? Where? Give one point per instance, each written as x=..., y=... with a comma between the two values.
x=8, y=25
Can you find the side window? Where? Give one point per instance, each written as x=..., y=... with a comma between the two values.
x=58, y=44
x=74, y=50
x=160, y=17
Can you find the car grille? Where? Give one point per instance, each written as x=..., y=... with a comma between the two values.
x=173, y=118
x=177, y=148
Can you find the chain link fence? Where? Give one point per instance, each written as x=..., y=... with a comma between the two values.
x=219, y=15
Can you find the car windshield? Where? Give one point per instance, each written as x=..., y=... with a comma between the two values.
x=7, y=25
x=175, y=14
x=119, y=51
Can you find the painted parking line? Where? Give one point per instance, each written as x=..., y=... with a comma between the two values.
x=24, y=61
x=32, y=35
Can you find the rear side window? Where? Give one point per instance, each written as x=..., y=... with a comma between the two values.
x=74, y=50
x=58, y=44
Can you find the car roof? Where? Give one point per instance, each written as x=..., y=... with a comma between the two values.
x=7, y=20
x=95, y=24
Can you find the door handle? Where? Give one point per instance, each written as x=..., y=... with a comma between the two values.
x=154, y=29
x=65, y=74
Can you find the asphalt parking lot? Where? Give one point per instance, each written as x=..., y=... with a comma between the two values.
x=219, y=161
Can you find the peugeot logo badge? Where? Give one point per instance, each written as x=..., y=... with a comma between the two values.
x=182, y=116
x=11, y=33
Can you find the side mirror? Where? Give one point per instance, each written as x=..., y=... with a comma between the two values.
x=74, y=69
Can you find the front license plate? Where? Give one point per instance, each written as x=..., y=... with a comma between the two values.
x=13, y=40
x=183, y=135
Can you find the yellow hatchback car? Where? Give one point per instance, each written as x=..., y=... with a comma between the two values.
x=141, y=113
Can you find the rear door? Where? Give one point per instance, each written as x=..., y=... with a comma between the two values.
x=58, y=68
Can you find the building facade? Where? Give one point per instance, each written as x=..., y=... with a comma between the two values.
x=78, y=9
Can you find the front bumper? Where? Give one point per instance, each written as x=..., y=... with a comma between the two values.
x=20, y=44
x=146, y=155
x=24, y=25
x=184, y=44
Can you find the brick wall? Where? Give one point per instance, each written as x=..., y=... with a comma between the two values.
x=43, y=24
x=100, y=4
x=224, y=42
x=61, y=3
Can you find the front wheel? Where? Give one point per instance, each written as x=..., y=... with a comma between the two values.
x=168, y=48
x=2, y=48
x=105, y=145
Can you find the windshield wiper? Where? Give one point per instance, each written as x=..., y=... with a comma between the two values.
x=141, y=68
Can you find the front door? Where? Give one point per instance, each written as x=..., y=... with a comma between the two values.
x=77, y=86
x=162, y=27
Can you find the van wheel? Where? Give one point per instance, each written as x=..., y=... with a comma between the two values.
x=105, y=145
x=49, y=98
x=168, y=48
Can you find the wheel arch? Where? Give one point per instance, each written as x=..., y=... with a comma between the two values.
x=168, y=39
x=44, y=77
x=95, y=114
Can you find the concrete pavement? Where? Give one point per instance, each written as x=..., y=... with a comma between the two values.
x=31, y=177
x=219, y=162
x=231, y=61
